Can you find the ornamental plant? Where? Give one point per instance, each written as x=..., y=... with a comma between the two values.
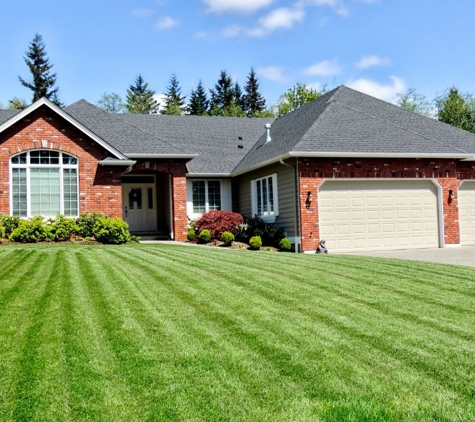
x=190, y=236
x=111, y=230
x=285, y=245
x=205, y=236
x=255, y=242
x=217, y=222
x=31, y=231
x=9, y=223
x=227, y=238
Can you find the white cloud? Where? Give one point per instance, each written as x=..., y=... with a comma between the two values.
x=281, y=18
x=272, y=73
x=166, y=22
x=233, y=31
x=386, y=92
x=324, y=68
x=370, y=61
x=142, y=13
x=236, y=6
x=337, y=5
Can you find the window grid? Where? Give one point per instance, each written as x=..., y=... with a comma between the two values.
x=264, y=196
x=206, y=196
x=44, y=182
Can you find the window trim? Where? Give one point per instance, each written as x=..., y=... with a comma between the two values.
x=268, y=216
x=28, y=166
x=207, y=207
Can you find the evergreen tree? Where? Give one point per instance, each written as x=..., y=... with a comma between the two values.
x=254, y=102
x=174, y=101
x=198, y=105
x=457, y=110
x=140, y=99
x=43, y=84
x=222, y=95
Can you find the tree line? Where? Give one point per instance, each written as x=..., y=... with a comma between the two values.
x=226, y=98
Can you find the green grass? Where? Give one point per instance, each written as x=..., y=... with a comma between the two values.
x=156, y=332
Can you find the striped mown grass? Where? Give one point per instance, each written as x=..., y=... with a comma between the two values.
x=165, y=332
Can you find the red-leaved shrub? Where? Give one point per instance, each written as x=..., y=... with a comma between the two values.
x=218, y=222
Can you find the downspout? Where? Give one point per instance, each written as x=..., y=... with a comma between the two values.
x=296, y=208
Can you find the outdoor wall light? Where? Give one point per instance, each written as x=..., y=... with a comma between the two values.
x=147, y=164
x=451, y=196
x=308, y=202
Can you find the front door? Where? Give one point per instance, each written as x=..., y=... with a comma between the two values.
x=139, y=204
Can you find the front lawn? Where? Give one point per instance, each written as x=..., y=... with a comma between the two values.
x=171, y=332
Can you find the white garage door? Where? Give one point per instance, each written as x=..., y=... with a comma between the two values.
x=467, y=212
x=376, y=215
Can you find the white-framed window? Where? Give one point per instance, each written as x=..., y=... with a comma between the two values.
x=206, y=196
x=265, y=201
x=44, y=182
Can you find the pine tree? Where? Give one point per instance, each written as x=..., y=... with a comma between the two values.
x=254, y=102
x=198, y=105
x=17, y=104
x=43, y=84
x=174, y=101
x=140, y=99
x=457, y=110
x=222, y=95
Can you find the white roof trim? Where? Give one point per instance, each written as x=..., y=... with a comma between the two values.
x=206, y=175
x=43, y=101
x=127, y=163
x=138, y=155
x=261, y=164
x=379, y=155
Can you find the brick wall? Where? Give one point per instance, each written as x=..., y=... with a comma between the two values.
x=312, y=172
x=100, y=187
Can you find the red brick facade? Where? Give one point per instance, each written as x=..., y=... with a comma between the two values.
x=100, y=187
x=312, y=173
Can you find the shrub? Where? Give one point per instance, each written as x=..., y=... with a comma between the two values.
x=227, y=238
x=9, y=223
x=218, y=222
x=31, y=231
x=111, y=230
x=285, y=244
x=205, y=236
x=256, y=226
x=2, y=232
x=191, y=235
x=62, y=228
x=86, y=223
x=255, y=242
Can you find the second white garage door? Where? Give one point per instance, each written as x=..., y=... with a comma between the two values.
x=377, y=215
x=467, y=212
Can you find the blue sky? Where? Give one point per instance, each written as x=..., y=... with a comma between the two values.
x=381, y=47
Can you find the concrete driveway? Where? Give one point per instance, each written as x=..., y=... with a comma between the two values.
x=460, y=255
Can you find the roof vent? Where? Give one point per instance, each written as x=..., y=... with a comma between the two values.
x=240, y=146
x=268, y=138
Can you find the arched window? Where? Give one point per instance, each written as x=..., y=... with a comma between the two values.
x=44, y=182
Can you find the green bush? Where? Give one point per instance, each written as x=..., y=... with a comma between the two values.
x=227, y=238
x=255, y=242
x=31, y=231
x=9, y=223
x=285, y=244
x=256, y=226
x=86, y=223
x=2, y=232
x=191, y=235
x=205, y=236
x=62, y=228
x=111, y=230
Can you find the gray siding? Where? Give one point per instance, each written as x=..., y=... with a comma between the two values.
x=287, y=194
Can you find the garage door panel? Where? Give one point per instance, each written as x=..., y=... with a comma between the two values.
x=381, y=215
x=466, y=199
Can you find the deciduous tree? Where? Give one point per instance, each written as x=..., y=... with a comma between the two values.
x=457, y=109
x=111, y=103
x=44, y=81
x=415, y=102
x=17, y=104
x=296, y=97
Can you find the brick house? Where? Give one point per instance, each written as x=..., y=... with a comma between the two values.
x=361, y=173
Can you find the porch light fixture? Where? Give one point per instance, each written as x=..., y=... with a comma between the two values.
x=147, y=164
x=308, y=202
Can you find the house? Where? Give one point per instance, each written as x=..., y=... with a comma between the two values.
x=361, y=173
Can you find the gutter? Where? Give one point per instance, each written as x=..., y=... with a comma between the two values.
x=125, y=163
x=188, y=156
x=468, y=157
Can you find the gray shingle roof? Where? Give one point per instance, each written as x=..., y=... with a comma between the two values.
x=6, y=115
x=215, y=139
x=345, y=121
